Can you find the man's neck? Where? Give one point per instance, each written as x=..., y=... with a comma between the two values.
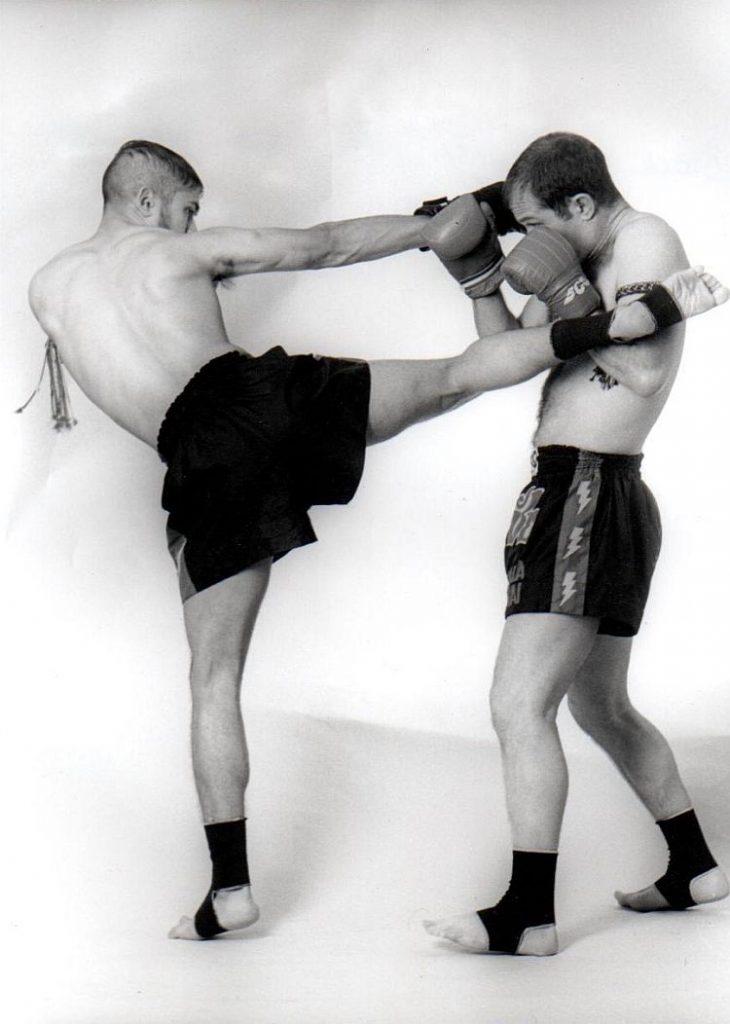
x=607, y=225
x=116, y=220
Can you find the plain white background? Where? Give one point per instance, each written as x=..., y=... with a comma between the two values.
x=294, y=113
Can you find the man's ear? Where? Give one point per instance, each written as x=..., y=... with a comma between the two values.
x=147, y=201
x=582, y=205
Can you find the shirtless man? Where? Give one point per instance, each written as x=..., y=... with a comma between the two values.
x=581, y=548
x=250, y=443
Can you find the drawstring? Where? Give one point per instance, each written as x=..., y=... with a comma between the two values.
x=61, y=414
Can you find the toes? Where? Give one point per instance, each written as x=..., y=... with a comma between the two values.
x=184, y=929
x=643, y=900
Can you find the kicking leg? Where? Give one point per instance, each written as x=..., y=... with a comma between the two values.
x=538, y=659
x=219, y=623
x=600, y=704
x=404, y=392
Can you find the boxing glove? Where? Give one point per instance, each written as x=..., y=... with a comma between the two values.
x=467, y=245
x=545, y=264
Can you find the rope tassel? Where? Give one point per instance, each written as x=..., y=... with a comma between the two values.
x=63, y=418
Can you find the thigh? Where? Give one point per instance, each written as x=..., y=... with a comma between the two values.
x=540, y=657
x=219, y=620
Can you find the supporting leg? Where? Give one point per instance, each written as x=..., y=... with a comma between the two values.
x=219, y=623
x=600, y=704
x=539, y=658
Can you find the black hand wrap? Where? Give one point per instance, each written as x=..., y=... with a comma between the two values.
x=571, y=338
x=504, y=221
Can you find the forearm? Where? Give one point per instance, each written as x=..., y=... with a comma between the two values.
x=491, y=315
x=368, y=238
x=643, y=366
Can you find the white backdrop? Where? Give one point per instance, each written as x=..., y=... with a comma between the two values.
x=293, y=113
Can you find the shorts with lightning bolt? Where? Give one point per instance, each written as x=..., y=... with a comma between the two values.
x=584, y=539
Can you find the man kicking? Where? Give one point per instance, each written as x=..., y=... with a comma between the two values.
x=251, y=443
x=584, y=537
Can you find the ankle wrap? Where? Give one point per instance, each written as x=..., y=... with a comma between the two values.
x=227, y=845
x=689, y=856
x=571, y=338
x=528, y=902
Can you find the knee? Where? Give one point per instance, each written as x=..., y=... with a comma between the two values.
x=598, y=717
x=516, y=712
x=214, y=677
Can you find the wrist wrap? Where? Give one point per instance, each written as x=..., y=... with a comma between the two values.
x=570, y=338
x=662, y=307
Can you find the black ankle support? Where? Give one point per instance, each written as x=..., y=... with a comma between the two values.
x=528, y=902
x=571, y=338
x=227, y=845
x=689, y=856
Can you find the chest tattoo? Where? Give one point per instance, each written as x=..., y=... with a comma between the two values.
x=604, y=379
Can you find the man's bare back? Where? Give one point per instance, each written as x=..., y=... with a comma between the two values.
x=134, y=315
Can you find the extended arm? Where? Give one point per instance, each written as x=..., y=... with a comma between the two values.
x=647, y=250
x=229, y=252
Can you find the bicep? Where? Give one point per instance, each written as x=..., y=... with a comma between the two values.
x=228, y=252
x=650, y=251
x=647, y=251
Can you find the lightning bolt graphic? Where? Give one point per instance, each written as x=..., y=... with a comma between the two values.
x=569, y=587
x=584, y=494
x=576, y=536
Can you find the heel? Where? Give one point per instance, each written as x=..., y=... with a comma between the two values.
x=709, y=887
x=542, y=940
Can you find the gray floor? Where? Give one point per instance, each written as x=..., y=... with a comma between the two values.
x=357, y=833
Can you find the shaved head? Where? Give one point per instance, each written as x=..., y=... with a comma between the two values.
x=140, y=164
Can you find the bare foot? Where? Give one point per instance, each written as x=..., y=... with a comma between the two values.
x=706, y=888
x=468, y=932
x=695, y=291
x=234, y=909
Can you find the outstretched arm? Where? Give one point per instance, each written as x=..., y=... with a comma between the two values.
x=229, y=252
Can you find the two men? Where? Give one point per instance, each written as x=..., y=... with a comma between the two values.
x=582, y=547
x=250, y=443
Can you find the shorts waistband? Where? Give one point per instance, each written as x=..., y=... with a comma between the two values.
x=559, y=458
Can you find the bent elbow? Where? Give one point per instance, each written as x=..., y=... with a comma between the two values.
x=647, y=382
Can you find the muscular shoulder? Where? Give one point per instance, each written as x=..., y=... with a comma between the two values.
x=646, y=248
x=49, y=277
